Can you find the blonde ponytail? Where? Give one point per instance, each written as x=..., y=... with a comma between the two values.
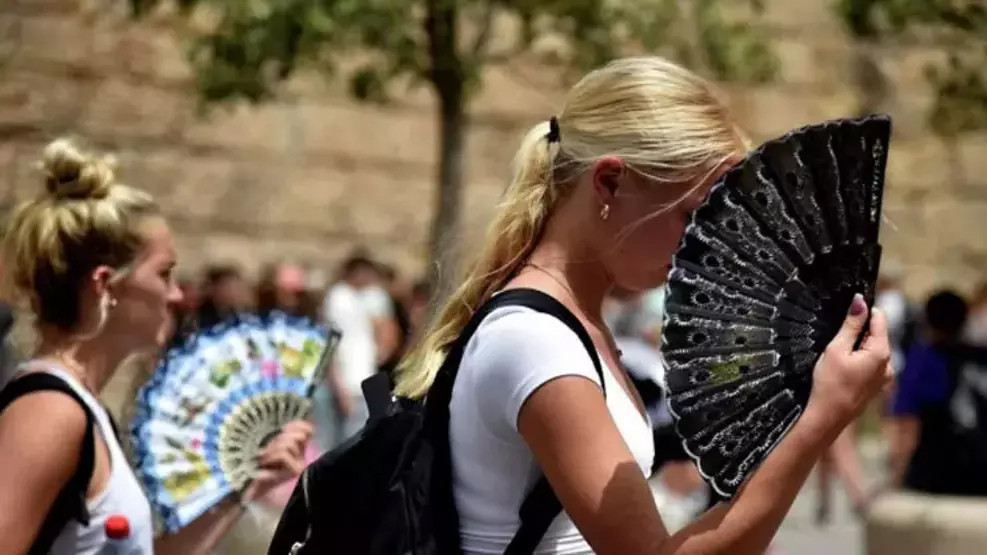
x=517, y=224
x=662, y=120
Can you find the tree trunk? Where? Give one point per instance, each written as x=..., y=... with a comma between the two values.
x=448, y=79
x=445, y=233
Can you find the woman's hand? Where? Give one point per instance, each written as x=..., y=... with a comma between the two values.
x=845, y=380
x=282, y=459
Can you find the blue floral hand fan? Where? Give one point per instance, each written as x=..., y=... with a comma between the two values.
x=761, y=283
x=213, y=403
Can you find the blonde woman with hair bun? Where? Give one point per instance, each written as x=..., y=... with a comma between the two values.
x=600, y=198
x=93, y=260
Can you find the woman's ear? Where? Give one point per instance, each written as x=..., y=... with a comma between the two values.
x=101, y=277
x=608, y=173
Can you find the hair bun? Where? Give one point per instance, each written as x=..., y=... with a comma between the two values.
x=73, y=173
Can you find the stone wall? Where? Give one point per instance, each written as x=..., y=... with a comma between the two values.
x=314, y=173
x=906, y=523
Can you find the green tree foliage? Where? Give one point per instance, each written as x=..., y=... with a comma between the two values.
x=248, y=47
x=958, y=28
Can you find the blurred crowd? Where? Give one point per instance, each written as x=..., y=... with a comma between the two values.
x=377, y=310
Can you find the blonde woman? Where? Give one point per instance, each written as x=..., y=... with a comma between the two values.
x=599, y=199
x=95, y=260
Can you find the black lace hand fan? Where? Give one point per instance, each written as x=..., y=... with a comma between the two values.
x=760, y=284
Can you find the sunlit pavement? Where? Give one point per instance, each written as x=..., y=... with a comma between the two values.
x=844, y=534
x=799, y=535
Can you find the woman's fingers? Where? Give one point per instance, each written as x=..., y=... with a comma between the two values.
x=301, y=427
x=856, y=316
x=281, y=460
x=877, y=341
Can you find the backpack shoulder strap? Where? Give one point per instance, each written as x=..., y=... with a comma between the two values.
x=541, y=506
x=71, y=501
x=530, y=298
x=542, y=302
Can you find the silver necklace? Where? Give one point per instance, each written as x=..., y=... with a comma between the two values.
x=568, y=290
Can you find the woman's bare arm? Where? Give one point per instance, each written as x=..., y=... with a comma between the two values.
x=280, y=460
x=604, y=491
x=41, y=437
x=569, y=429
x=904, y=439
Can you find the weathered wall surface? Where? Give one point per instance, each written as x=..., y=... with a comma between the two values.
x=312, y=174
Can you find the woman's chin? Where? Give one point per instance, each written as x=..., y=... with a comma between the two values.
x=646, y=282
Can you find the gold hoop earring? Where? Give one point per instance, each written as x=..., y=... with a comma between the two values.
x=605, y=212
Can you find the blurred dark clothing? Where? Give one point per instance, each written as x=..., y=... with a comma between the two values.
x=945, y=387
x=8, y=355
x=211, y=314
x=403, y=320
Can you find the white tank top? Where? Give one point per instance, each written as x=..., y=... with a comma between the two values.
x=121, y=496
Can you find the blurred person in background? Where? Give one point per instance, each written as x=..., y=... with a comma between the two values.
x=394, y=328
x=283, y=286
x=352, y=305
x=8, y=353
x=902, y=318
x=421, y=293
x=224, y=293
x=191, y=296
x=976, y=327
x=95, y=258
x=185, y=313
x=842, y=459
x=939, y=443
x=9, y=356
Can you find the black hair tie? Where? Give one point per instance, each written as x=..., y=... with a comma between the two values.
x=554, y=134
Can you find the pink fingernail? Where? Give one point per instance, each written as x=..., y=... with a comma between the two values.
x=858, y=306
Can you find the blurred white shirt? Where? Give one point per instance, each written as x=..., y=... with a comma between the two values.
x=348, y=310
x=894, y=304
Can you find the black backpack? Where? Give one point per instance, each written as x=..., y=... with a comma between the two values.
x=388, y=489
x=70, y=504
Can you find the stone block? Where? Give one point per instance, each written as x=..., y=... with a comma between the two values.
x=42, y=100
x=200, y=184
x=519, y=96
x=490, y=152
x=917, y=164
x=804, y=15
x=273, y=128
x=972, y=153
x=907, y=64
x=60, y=40
x=10, y=36
x=952, y=224
x=123, y=109
x=357, y=131
x=808, y=63
x=141, y=50
x=771, y=111
x=913, y=524
x=33, y=7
